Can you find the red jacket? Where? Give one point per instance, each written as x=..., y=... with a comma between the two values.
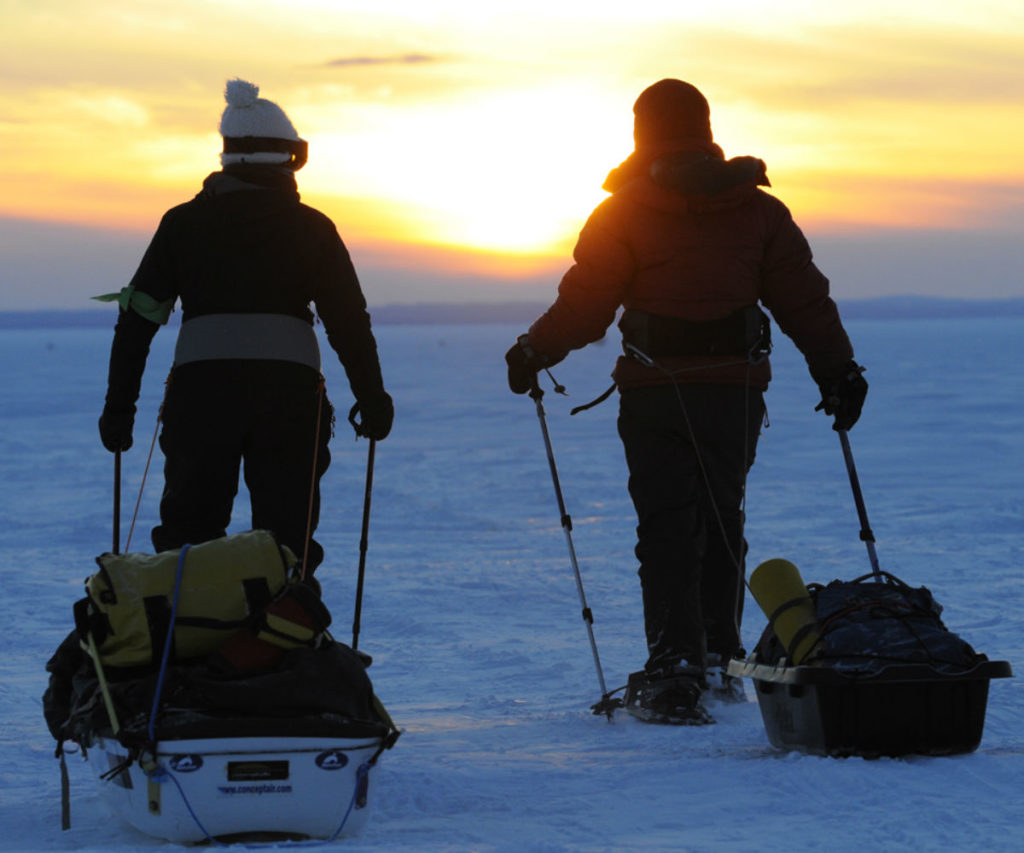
x=687, y=234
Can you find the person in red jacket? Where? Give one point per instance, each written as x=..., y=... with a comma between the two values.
x=247, y=259
x=691, y=248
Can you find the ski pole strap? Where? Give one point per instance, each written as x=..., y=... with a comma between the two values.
x=595, y=402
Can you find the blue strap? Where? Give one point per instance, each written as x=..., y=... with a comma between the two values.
x=167, y=644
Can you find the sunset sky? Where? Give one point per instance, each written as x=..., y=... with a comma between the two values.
x=459, y=146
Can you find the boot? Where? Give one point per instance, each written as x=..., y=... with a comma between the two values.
x=671, y=695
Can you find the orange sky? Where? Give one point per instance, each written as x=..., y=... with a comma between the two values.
x=475, y=137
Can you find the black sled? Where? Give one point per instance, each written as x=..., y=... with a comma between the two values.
x=864, y=667
x=885, y=677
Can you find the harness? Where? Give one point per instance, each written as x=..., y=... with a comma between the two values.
x=745, y=335
x=745, y=332
x=247, y=336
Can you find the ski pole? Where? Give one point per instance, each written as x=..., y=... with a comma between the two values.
x=607, y=705
x=858, y=498
x=363, y=544
x=117, y=502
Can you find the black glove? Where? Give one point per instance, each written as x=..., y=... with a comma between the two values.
x=523, y=364
x=116, y=426
x=376, y=415
x=843, y=395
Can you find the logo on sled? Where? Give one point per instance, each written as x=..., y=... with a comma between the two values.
x=333, y=760
x=186, y=763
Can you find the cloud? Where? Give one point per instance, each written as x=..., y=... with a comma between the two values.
x=358, y=61
x=834, y=67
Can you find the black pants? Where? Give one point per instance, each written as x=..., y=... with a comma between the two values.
x=219, y=416
x=690, y=516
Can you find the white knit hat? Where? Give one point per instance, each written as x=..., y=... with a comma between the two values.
x=256, y=130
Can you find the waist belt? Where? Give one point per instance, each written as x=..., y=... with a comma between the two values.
x=746, y=332
x=279, y=337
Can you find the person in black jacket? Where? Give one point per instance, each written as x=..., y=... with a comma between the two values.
x=246, y=259
x=691, y=247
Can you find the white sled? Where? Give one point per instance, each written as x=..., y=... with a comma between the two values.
x=240, y=789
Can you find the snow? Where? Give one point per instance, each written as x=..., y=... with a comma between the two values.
x=471, y=610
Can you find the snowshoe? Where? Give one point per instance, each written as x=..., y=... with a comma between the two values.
x=667, y=697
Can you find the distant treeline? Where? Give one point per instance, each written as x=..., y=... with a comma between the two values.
x=520, y=313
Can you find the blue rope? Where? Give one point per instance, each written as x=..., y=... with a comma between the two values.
x=167, y=644
x=361, y=780
x=160, y=775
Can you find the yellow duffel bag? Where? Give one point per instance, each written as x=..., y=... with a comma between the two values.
x=129, y=601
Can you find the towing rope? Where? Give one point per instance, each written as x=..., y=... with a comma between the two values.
x=754, y=357
x=736, y=555
x=320, y=390
x=149, y=460
x=320, y=393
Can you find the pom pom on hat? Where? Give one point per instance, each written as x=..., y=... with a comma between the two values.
x=249, y=115
x=241, y=94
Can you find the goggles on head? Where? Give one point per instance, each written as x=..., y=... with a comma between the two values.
x=297, y=149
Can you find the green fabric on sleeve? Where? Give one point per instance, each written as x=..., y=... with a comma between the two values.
x=141, y=303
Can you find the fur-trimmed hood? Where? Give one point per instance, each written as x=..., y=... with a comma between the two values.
x=694, y=177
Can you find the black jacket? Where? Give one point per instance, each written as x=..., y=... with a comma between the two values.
x=246, y=244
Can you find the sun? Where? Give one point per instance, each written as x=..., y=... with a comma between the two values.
x=513, y=172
